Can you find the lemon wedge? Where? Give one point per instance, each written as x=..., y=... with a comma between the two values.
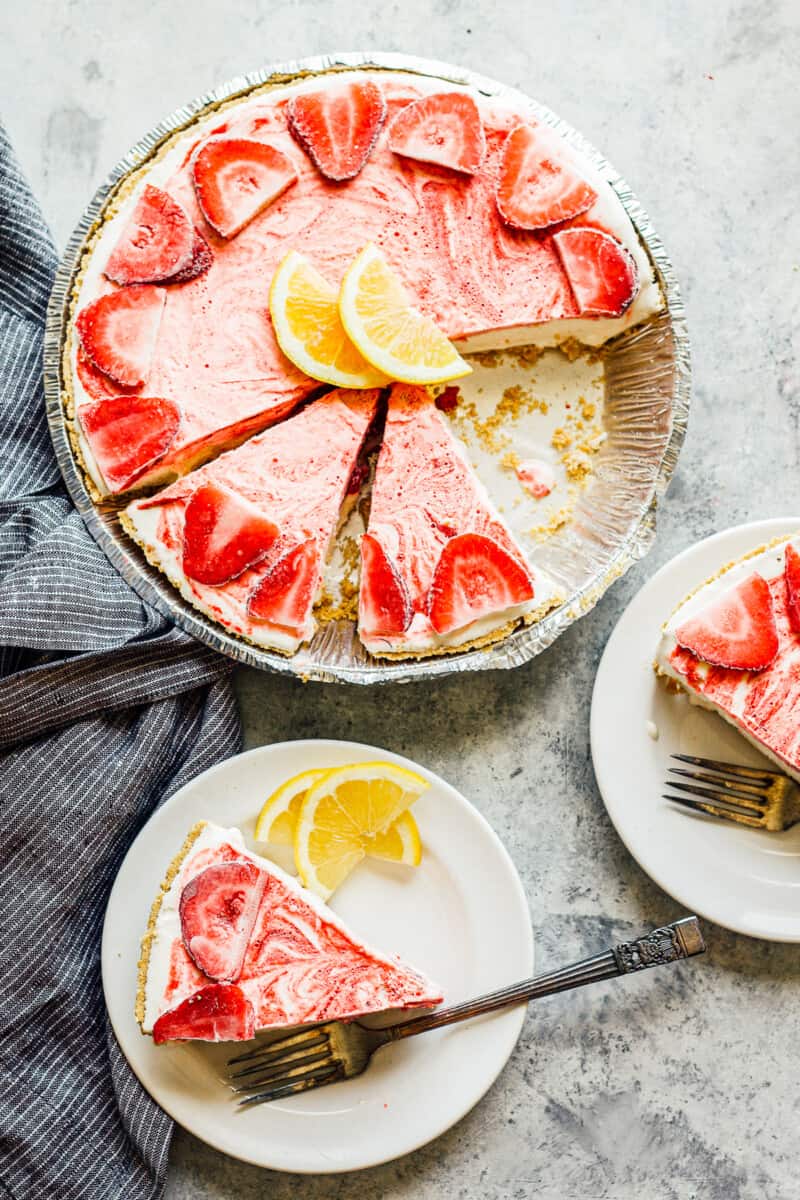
x=278, y=817
x=347, y=814
x=305, y=316
x=395, y=337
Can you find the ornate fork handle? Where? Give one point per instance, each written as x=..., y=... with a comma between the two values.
x=668, y=944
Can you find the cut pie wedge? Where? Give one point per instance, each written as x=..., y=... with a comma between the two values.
x=246, y=537
x=440, y=568
x=299, y=962
x=733, y=646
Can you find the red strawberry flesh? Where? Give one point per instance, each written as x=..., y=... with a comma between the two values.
x=94, y=382
x=119, y=331
x=337, y=127
x=445, y=129
x=218, y=909
x=384, y=607
x=223, y=535
x=792, y=577
x=236, y=178
x=601, y=272
x=538, y=186
x=736, y=630
x=285, y=595
x=199, y=263
x=155, y=244
x=127, y=434
x=217, y=1013
x=475, y=577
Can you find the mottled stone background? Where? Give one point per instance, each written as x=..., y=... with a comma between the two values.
x=680, y=1085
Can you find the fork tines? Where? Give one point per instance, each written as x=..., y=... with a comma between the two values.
x=737, y=793
x=284, y=1066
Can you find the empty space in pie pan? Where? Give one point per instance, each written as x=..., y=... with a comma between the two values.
x=617, y=420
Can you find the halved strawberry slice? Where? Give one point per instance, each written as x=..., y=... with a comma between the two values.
x=127, y=434
x=235, y=178
x=285, y=595
x=337, y=127
x=217, y=1013
x=94, y=382
x=384, y=607
x=736, y=630
x=444, y=128
x=199, y=263
x=223, y=535
x=218, y=910
x=791, y=573
x=475, y=577
x=155, y=243
x=601, y=272
x=538, y=186
x=119, y=331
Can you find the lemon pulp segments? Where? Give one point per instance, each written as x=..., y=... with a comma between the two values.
x=278, y=817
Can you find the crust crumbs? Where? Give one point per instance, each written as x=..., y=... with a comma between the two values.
x=150, y=933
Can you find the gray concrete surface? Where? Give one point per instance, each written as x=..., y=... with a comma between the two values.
x=684, y=1086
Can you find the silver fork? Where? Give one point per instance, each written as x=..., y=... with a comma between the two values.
x=748, y=795
x=334, y=1050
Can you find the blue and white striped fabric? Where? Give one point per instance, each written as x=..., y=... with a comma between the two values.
x=105, y=709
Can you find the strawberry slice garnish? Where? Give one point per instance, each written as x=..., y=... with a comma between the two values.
x=285, y=595
x=475, y=577
x=337, y=127
x=384, y=607
x=128, y=434
x=94, y=382
x=791, y=574
x=235, y=178
x=736, y=630
x=118, y=332
x=155, y=244
x=199, y=263
x=538, y=186
x=218, y=910
x=223, y=535
x=217, y=1013
x=601, y=272
x=444, y=128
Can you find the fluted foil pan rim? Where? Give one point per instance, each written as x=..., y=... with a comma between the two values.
x=520, y=646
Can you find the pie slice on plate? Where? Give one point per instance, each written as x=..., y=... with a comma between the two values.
x=234, y=945
x=734, y=646
x=440, y=569
x=245, y=538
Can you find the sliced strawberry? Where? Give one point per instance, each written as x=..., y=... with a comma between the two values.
x=444, y=128
x=128, y=434
x=475, y=577
x=384, y=607
x=217, y=1013
x=792, y=576
x=218, y=910
x=447, y=401
x=601, y=272
x=155, y=244
x=337, y=127
x=94, y=382
x=119, y=331
x=285, y=595
x=223, y=535
x=199, y=263
x=736, y=630
x=235, y=178
x=538, y=185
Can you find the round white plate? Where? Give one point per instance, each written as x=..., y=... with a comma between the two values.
x=741, y=878
x=461, y=917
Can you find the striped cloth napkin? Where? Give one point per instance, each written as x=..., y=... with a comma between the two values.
x=105, y=709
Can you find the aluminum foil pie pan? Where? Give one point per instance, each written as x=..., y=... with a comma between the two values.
x=646, y=394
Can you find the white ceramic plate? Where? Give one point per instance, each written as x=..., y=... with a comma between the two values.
x=461, y=917
x=744, y=879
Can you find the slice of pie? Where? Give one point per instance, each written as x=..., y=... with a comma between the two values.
x=734, y=646
x=234, y=945
x=439, y=567
x=500, y=231
x=245, y=538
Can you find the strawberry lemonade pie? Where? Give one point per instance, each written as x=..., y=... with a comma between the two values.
x=734, y=647
x=350, y=230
